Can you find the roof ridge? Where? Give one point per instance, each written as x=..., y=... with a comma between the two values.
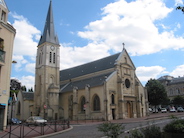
x=92, y=61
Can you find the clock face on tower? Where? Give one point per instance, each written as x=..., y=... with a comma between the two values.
x=52, y=48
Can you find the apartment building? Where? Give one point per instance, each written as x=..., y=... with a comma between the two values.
x=7, y=35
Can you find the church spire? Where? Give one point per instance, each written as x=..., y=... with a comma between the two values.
x=49, y=33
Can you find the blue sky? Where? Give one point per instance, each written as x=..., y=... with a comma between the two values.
x=152, y=31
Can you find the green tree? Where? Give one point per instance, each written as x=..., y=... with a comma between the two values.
x=156, y=92
x=178, y=101
x=23, y=88
x=180, y=8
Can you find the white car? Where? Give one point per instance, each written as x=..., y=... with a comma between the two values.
x=172, y=109
x=36, y=120
x=163, y=110
x=150, y=110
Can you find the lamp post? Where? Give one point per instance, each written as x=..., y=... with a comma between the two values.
x=12, y=102
x=11, y=115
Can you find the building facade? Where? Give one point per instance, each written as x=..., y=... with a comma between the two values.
x=7, y=35
x=174, y=86
x=107, y=88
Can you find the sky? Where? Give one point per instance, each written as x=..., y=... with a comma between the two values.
x=152, y=30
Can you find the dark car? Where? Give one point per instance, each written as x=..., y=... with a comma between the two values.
x=15, y=121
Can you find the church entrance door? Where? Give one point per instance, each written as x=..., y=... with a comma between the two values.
x=113, y=114
x=129, y=110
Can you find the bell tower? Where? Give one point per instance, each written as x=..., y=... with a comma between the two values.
x=46, y=96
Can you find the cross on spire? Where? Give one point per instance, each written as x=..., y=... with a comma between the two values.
x=123, y=45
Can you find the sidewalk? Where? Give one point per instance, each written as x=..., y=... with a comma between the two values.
x=152, y=116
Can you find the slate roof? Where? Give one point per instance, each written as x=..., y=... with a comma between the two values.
x=92, y=82
x=91, y=67
x=49, y=32
x=28, y=95
x=166, y=77
x=177, y=80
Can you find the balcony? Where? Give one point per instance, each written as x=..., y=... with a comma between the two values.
x=2, y=56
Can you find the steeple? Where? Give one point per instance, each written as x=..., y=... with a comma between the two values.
x=49, y=33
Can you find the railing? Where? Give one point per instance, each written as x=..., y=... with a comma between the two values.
x=2, y=56
x=28, y=131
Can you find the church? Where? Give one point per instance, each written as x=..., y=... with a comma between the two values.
x=107, y=88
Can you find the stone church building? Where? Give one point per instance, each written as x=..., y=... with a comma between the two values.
x=106, y=88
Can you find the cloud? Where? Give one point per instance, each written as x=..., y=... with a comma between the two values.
x=146, y=73
x=134, y=24
x=30, y=68
x=178, y=71
x=73, y=56
x=26, y=36
x=178, y=2
x=28, y=81
x=20, y=62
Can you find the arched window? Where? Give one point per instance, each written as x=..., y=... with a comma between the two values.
x=82, y=104
x=54, y=58
x=19, y=108
x=40, y=57
x=50, y=57
x=112, y=99
x=96, y=103
x=71, y=100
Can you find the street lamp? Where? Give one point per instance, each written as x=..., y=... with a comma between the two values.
x=12, y=102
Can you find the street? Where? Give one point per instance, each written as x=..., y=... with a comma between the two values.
x=91, y=131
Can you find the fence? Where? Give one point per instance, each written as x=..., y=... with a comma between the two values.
x=25, y=131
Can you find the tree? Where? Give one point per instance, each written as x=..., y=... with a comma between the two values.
x=156, y=92
x=180, y=8
x=15, y=87
x=178, y=101
x=23, y=88
x=30, y=90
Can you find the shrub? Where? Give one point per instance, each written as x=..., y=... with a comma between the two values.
x=136, y=134
x=175, y=126
x=110, y=129
x=173, y=117
x=151, y=131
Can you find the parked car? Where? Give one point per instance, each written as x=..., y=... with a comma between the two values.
x=35, y=120
x=163, y=110
x=150, y=110
x=173, y=109
x=16, y=121
x=180, y=109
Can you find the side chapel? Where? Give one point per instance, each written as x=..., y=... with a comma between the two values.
x=106, y=88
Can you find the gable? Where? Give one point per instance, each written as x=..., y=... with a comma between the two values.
x=125, y=59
